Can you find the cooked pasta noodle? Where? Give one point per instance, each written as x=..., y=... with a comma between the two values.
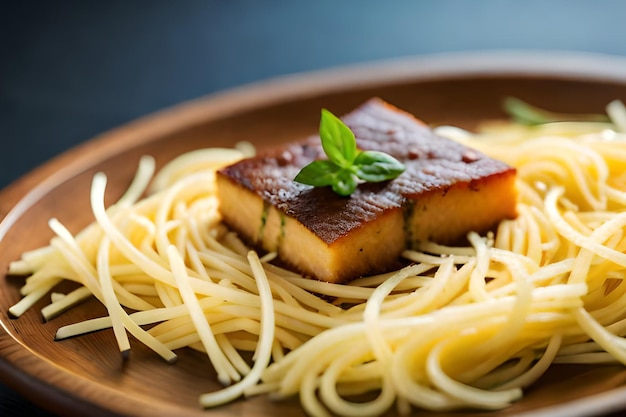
x=458, y=327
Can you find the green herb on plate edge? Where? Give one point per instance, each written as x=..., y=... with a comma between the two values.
x=527, y=114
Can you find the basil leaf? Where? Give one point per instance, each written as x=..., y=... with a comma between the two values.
x=346, y=183
x=318, y=173
x=346, y=165
x=374, y=166
x=337, y=140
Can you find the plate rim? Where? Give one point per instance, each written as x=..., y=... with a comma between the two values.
x=27, y=190
x=564, y=64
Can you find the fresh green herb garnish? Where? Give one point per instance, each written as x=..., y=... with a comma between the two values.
x=346, y=165
x=526, y=114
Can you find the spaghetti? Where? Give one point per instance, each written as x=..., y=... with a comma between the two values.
x=459, y=327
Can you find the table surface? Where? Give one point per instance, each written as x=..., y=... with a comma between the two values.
x=70, y=70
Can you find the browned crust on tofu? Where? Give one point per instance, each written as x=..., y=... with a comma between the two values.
x=446, y=191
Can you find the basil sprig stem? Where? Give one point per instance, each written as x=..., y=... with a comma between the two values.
x=346, y=165
x=526, y=114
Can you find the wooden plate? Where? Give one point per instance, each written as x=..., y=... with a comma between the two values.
x=86, y=376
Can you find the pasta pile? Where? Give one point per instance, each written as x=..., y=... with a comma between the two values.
x=458, y=327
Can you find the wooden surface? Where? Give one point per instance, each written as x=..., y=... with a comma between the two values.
x=86, y=376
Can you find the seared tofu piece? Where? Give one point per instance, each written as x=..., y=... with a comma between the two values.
x=446, y=191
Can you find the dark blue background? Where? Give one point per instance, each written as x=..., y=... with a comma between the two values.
x=72, y=69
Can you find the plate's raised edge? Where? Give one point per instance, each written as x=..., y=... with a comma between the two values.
x=28, y=190
x=563, y=64
x=594, y=405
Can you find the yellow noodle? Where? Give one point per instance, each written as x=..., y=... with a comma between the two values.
x=264, y=348
x=110, y=300
x=225, y=371
x=64, y=302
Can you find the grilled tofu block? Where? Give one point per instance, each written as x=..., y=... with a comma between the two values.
x=446, y=191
